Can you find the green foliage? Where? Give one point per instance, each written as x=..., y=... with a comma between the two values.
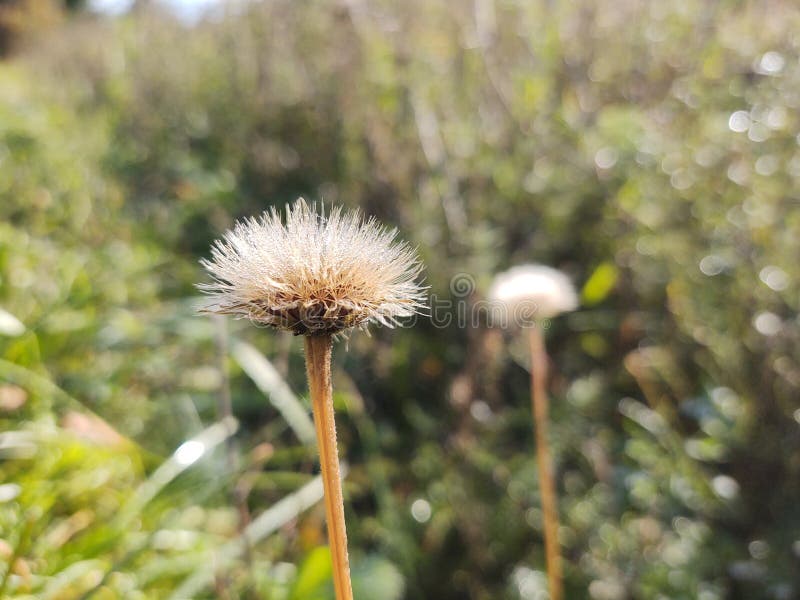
x=314, y=577
x=600, y=284
x=649, y=149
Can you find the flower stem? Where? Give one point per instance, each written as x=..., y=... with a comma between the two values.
x=318, y=365
x=546, y=482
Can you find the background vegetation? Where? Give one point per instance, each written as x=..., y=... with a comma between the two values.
x=650, y=149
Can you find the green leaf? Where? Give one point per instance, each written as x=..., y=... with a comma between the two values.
x=314, y=581
x=600, y=284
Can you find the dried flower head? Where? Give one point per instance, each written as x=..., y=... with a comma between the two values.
x=314, y=274
x=535, y=291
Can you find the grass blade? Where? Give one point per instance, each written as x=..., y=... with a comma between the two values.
x=265, y=524
x=269, y=381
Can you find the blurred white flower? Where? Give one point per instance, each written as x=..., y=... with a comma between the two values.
x=533, y=290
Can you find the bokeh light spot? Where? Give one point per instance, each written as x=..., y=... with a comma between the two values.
x=421, y=510
x=767, y=323
x=189, y=452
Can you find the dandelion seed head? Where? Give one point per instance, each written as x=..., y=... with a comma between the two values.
x=313, y=273
x=537, y=289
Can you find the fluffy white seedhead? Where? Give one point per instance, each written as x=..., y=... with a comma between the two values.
x=315, y=273
x=529, y=292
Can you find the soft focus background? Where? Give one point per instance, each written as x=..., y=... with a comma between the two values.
x=649, y=149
